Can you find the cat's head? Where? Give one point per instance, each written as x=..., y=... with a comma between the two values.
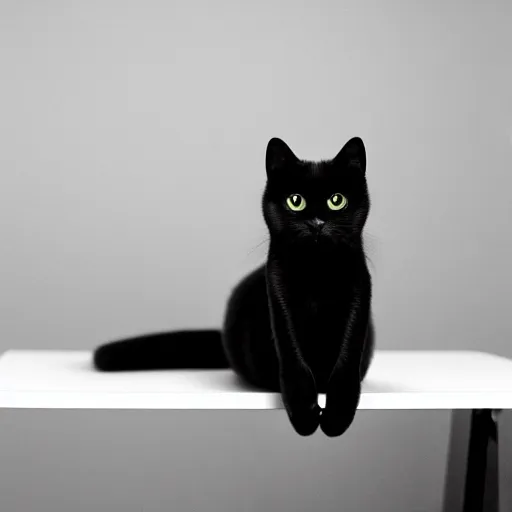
x=322, y=202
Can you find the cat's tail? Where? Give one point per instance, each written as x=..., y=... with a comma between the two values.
x=180, y=349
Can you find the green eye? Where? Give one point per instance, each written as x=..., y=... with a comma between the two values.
x=337, y=202
x=296, y=202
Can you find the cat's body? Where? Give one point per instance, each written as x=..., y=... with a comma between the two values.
x=300, y=324
x=247, y=333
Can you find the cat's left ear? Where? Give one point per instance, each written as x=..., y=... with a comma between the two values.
x=353, y=154
x=279, y=156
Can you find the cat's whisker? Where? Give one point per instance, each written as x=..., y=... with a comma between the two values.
x=266, y=240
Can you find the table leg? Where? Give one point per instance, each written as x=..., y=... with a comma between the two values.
x=472, y=471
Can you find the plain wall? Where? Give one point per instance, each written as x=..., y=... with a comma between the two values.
x=132, y=140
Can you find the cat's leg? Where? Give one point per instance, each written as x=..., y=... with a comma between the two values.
x=297, y=383
x=344, y=386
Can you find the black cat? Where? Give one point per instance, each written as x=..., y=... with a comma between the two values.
x=301, y=324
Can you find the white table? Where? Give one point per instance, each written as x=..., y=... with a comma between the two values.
x=460, y=381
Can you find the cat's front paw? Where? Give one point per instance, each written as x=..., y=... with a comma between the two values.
x=305, y=420
x=335, y=421
x=340, y=408
x=300, y=398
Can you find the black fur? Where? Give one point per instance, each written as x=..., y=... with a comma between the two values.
x=300, y=324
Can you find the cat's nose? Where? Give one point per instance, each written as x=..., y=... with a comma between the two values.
x=316, y=224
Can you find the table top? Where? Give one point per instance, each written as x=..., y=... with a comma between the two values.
x=396, y=380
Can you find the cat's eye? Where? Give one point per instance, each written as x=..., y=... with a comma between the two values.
x=337, y=202
x=296, y=202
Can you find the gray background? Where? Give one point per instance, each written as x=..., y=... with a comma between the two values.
x=132, y=139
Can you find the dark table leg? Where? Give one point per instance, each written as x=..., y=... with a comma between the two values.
x=472, y=471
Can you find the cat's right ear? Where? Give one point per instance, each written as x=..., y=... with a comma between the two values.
x=279, y=156
x=352, y=154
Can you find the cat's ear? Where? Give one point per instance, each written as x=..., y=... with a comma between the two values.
x=353, y=154
x=279, y=156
